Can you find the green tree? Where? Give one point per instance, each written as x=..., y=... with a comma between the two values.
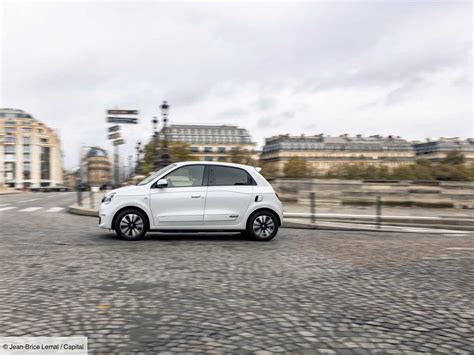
x=454, y=158
x=241, y=156
x=296, y=167
x=269, y=170
x=178, y=151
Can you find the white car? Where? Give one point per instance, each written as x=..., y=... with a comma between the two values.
x=195, y=197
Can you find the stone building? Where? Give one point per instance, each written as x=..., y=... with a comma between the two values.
x=325, y=152
x=98, y=167
x=212, y=142
x=436, y=150
x=30, y=151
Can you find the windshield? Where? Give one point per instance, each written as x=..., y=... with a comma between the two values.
x=154, y=175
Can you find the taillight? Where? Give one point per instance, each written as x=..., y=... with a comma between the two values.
x=278, y=197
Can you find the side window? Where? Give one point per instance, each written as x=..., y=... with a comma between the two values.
x=186, y=176
x=227, y=176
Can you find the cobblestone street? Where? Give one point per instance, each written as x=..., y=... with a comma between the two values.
x=307, y=291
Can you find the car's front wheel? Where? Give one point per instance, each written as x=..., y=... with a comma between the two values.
x=262, y=226
x=131, y=225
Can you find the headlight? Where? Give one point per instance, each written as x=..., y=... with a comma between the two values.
x=108, y=199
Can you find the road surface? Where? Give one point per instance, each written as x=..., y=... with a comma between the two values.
x=307, y=291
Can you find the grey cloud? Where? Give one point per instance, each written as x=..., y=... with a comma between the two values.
x=270, y=67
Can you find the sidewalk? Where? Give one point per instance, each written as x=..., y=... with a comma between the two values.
x=10, y=192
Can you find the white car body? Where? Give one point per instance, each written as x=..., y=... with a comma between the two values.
x=194, y=208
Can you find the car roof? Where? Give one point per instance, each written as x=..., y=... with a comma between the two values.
x=200, y=162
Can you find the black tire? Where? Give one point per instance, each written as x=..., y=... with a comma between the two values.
x=262, y=226
x=131, y=224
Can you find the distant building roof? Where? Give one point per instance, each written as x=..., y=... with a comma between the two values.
x=96, y=152
x=342, y=142
x=208, y=134
x=444, y=144
x=13, y=113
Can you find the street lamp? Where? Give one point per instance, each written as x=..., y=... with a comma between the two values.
x=154, y=121
x=165, y=157
x=138, y=167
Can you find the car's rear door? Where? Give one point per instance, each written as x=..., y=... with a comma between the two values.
x=229, y=193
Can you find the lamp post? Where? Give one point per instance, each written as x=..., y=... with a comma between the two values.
x=156, y=162
x=165, y=157
x=138, y=167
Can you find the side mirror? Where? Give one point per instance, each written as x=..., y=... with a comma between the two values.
x=162, y=183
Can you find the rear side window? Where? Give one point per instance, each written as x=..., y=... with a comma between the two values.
x=227, y=176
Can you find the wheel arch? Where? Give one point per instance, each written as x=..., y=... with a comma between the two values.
x=263, y=209
x=130, y=208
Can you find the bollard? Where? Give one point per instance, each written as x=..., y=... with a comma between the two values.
x=79, y=195
x=91, y=199
x=378, y=211
x=312, y=204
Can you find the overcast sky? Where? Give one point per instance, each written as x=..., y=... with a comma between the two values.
x=399, y=68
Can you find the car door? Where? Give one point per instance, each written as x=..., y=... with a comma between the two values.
x=229, y=193
x=181, y=202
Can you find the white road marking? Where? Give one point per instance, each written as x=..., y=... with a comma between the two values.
x=42, y=198
x=55, y=209
x=6, y=208
x=459, y=248
x=33, y=199
x=30, y=209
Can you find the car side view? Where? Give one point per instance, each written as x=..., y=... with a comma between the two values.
x=195, y=197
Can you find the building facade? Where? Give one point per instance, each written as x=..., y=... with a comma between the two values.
x=98, y=167
x=436, y=150
x=30, y=152
x=212, y=142
x=325, y=152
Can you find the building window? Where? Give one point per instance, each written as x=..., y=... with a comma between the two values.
x=208, y=158
x=44, y=140
x=221, y=149
x=26, y=140
x=207, y=149
x=26, y=130
x=10, y=129
x=9, y=149
x=26, y=149
x=26, y=156
x=10, y=123
x=26, y=171
x=195, y=149
x=45, y=163
x=10, y=139
x=9, y=171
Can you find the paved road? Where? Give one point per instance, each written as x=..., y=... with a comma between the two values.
x=305, y=292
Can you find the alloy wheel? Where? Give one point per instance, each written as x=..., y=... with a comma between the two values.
x=263, y=226
x=131, y=225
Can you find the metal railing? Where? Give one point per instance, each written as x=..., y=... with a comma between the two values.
x=378, y=219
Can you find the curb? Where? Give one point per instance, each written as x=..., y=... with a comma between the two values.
x=10, y=192
x=365, y=228
x=75, y=209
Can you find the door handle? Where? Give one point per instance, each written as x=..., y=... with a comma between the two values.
x=195, y=196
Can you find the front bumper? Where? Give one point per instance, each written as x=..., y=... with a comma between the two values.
x=105, y=216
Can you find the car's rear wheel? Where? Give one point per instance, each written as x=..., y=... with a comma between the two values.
x=131, y=224
x=262, y=226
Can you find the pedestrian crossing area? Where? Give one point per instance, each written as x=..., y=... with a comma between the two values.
x=32, y=209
